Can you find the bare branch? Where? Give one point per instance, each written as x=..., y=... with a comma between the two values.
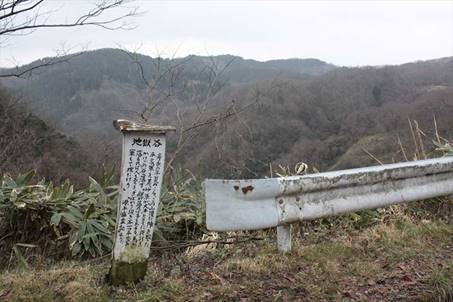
x=21, y=72
x=11, y=6
x=22, y=17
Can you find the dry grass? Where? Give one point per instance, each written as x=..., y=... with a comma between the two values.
x=67, y=282
x=402, y=260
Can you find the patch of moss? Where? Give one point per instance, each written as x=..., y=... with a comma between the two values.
x=126, y=273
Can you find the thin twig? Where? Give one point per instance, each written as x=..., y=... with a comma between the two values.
x=414, y=139
x=6, y=236
x=436, y=130
x=402, y=148
x=201, y=242
x=419, y=133
x=371, y=155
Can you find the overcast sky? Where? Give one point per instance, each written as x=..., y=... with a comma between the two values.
x=340, y=32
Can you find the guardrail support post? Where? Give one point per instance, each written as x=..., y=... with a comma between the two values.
x=284, y=238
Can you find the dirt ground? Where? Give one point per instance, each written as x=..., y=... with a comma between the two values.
x=402, y=260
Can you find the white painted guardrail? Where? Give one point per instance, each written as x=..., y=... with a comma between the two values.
x=253, y=204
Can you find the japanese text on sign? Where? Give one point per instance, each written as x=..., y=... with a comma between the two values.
x=141, y=178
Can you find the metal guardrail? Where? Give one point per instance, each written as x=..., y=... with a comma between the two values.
x=276, y=202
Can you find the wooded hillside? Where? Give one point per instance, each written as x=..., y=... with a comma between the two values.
x=253, y=113
x=27, y=142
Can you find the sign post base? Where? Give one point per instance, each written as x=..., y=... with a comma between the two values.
x=126, y=273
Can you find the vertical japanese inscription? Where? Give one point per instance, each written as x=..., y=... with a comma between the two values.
x=141, y=179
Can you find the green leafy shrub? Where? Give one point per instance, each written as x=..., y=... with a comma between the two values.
x=53, y=216
x=181, y=212
x=82, y=223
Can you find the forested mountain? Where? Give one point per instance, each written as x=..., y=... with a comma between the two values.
x=332, y=120
x=238, y=116
x=82, y=95
x=26, y=143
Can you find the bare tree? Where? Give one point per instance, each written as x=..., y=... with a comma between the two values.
x=191, y=102
x=23, y=17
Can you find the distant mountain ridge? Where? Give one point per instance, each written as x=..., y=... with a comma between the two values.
x=68, y=96
x=236, y=64
x=297, y=109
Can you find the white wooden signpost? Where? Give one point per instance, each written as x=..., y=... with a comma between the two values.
x=142, y=170
x=277, y=202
